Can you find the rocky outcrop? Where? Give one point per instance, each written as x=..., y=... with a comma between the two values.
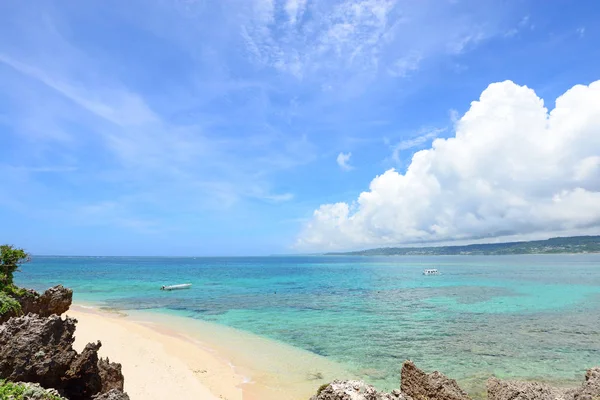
x=590, y=390
x=114, y=394
x=55, y=300
x=518, y=390
x=40, y=350
x=415, y=385
x=110, y=376
x=355, y=390
x=82, y=380
x=35, y=349
x=434, y=386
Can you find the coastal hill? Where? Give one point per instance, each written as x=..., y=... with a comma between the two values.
x=558, y=245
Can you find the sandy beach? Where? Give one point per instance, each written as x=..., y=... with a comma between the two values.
x=168, y=357
x=156, y=365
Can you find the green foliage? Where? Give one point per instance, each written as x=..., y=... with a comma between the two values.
x=9, y=304
x=23, y=391
x=10, y=260
x=15, y=291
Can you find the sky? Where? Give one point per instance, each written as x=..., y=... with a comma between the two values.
x=255, y=127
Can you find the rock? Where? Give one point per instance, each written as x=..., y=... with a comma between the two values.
x=35, y=349
x=82, y=380
x=590, y=390
x=517, y=390
x=434, y=386
x=111, y=375
x=114, y=394
x=355, y=390
x=55, y=300
x=40, y=350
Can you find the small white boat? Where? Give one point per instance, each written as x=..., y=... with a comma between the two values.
x=177, y=287
x=432, y=271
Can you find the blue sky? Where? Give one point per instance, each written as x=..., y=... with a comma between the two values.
x=179, y=127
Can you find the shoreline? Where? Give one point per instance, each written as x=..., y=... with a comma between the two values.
x=167, y=356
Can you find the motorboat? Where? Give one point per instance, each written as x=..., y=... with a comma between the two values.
x=432, y=271
x=177, y=287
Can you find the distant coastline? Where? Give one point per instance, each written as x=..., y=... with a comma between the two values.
x=558, y=245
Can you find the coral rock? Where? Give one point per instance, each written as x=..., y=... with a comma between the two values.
x=114, y=394
x=40, y=350
x=355, y=390
x=55, y=300
x=434, y=386
x=35, y=349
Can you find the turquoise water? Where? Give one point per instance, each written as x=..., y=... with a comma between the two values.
x=529, y=317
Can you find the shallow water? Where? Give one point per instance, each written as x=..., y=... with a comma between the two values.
x=528, y=317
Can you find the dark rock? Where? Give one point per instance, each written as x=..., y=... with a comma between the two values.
x=111, y=375
x=82, y=380
x=114, y=394
x=35, y=349
x=55, y=300
x=355, y=390
x=434, y=386
x=40, y=350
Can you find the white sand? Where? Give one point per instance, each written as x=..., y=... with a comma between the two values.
x=156, y=365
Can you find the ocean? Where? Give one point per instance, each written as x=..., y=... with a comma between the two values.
x=526, y=317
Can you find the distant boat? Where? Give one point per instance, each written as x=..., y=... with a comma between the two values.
x=431, y=272
x=177, y=287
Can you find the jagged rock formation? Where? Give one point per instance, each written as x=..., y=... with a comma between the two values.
x=40, y=350
x=355, y=390
x=517, y=390
x=417, y=385
x=35, y=349
x=590, y=390
x=114, y=394
x=55, y=300
x=110, y=376
x=434, y=386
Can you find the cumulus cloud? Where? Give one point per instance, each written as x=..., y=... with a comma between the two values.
x=512, y=168
x=343, y=161
x=413, y=142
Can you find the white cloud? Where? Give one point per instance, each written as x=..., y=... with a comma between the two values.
x=454, y=115
x=342, y=161
x=345, y=40
x=513, y=168
x=581, y=31
x=423, y=137
x=115, y=105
